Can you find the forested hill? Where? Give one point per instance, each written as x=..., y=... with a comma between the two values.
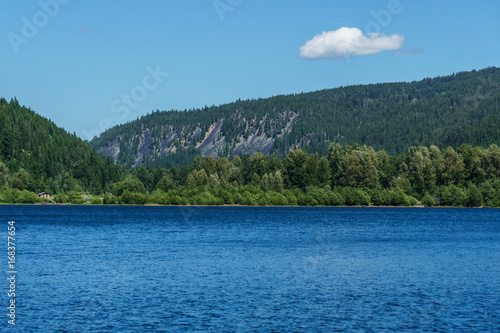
x=38, y=156
x=443, y=111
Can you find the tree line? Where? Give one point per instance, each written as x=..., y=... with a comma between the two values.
x=346, y=175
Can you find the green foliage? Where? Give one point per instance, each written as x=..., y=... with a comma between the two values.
x=20, y=179
x=43, y=200
x=60, y=198
x=171, y=199
x=4, y=173
x=27, y=197
x=180, y=158
x=306, y=200
x=18, y=196
x=473, y=197
x=132, y=185
x=76, y=198
x=272, y=182
x=198, y=178
x=291, y=198
x=276, y=199
x=494, y=201
x=451, y=196
x=421, y=172
x=11, y=196
x=165, y=184
x=335, y=199
x=133, y=198
x=355, y=197
x=295, y=168
x=203, y=199
x=451, y=167
x=96, y=201
x=109, y=199
x=427, y=200
x=248, y=199
x=491, y=193
x=360, y=167
x=399, y=198
x=382, y=198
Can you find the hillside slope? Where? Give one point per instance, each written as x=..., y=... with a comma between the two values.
x=37, y=155
x=450, y=110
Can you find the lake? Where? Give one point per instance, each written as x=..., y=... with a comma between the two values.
x=254, y=269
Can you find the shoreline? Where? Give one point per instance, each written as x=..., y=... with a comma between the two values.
x=243, y=206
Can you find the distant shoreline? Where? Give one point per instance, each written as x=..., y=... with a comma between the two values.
x=243, y=206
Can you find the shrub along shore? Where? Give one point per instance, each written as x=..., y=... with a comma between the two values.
x=448, y=196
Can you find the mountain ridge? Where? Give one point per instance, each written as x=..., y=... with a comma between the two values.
x=442, y=111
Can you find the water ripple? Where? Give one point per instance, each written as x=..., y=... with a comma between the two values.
x=168, y=269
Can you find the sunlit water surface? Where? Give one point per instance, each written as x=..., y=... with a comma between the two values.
x=234, y=269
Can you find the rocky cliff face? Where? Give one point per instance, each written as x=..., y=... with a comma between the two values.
x=157, y=140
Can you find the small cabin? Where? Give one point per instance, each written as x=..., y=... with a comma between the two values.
x=45, y=195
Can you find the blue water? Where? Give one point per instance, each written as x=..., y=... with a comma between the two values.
x=234, y=269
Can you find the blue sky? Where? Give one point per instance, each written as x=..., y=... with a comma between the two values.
x=88, y=65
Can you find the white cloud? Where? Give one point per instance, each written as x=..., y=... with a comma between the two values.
x=346, y=41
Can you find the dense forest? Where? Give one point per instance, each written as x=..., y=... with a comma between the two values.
x=350, y=175
x=443, y=111
x=36, y=155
